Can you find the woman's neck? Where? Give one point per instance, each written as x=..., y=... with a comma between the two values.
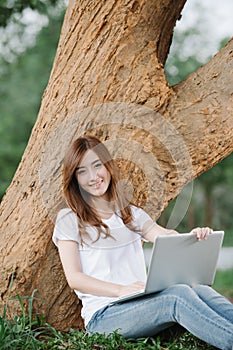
x=103, y=207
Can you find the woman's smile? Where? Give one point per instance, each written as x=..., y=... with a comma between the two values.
x=97, y=184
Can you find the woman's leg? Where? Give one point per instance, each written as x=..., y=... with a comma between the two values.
x=215, y=301
x=149, y=315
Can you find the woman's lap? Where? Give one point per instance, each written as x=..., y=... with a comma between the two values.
x=148, y=315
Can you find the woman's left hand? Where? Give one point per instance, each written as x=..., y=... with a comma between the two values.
x=202, y=232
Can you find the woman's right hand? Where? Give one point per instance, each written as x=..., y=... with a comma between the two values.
x=131, y=288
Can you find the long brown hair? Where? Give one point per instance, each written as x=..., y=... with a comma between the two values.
x=78, y=201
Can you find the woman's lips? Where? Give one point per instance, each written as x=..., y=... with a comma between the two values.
x=97, y=184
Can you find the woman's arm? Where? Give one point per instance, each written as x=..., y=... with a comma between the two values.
x=69, y=255
x=151, y=230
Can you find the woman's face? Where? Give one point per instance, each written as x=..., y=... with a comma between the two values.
x=92, y=175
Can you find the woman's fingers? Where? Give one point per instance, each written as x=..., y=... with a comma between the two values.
x=202, y=232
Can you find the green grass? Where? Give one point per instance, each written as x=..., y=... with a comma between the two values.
x=29, y=331
x=20, y=334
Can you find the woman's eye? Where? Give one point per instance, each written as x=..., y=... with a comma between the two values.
x=98, y=165
x=80, y=171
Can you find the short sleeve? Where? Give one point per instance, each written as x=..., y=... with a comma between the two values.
x=140, y=217
x=66, y=226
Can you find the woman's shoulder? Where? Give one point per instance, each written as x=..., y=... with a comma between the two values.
x=65, y=213
x=140, y=215
x=66, y=227
x=136, y=209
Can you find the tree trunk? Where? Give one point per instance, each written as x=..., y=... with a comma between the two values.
x=108, y=80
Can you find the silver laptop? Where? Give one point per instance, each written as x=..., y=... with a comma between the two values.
x=181, y=259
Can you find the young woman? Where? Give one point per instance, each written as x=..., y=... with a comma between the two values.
x=99, y=241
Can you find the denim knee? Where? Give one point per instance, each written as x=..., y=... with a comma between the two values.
x=180, y=289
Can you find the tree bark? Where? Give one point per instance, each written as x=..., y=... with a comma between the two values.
x=108, y=79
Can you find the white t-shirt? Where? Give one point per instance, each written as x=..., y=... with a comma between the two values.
x=119, y=260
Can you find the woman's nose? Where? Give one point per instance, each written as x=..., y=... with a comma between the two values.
x=92, y=174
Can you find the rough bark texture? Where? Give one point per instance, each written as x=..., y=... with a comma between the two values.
x=108, y=80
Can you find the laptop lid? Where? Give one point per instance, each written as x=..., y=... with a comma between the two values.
x=183, y=259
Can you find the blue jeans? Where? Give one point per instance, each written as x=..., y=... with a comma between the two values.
x=201, y=310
